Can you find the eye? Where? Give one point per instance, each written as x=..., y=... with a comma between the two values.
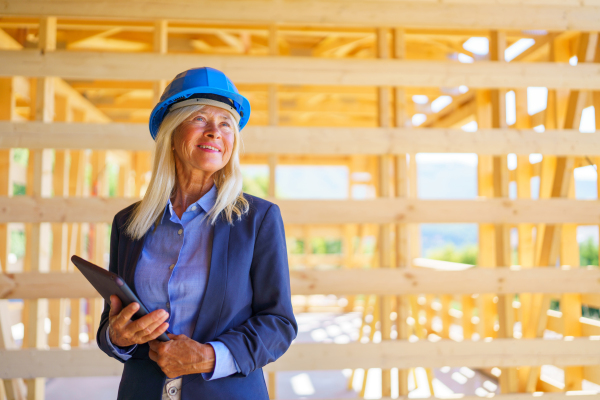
x=199, y=118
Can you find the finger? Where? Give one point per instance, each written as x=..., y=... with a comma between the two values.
x=145, y=325
x=115, y=305
x=150, y=328
x=171, y=336
x=156, y=333
x=153, y=355
x=129, y=311
x=125, y=315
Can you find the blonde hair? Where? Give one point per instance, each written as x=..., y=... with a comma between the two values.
x=163, y=184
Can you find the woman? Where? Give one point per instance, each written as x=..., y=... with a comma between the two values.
x=207, y=260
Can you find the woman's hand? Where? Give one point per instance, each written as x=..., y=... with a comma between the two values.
x=123, y=332
x=182, y=356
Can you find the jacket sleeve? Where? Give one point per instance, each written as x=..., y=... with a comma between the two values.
x=268, y=333
x=102, y=333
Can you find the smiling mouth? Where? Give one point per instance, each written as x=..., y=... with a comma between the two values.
x=209, y=148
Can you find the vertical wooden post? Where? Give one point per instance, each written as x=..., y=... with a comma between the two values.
x=76, y=181
x=35, y=311
x=508, y=377
x=403, y=303
x=273, y=110
x=487, y=247
x=57, y=308
x=526, y=249
x=402, y=232
x=10, y=388
x=570, y=303
x=124, y=186
x=385, y=230
x=99, y=189
x=8, y=104
x=160, y=46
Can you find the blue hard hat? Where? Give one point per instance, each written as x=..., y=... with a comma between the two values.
x=198, y=82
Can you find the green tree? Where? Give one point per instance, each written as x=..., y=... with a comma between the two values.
x=588, y=253
x=466, y=254
x=256, y=185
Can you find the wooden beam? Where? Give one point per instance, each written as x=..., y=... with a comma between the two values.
x=379, y=281
x=403, y=354
x=299, y=140
x=301, y=70
x=548, y=14
x=374, y=211
x=322, y=356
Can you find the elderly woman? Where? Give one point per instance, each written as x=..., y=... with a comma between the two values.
x=208, y=261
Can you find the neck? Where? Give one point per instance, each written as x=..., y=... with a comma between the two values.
x=192, y=184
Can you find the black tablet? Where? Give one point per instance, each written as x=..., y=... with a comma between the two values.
x=107, y=284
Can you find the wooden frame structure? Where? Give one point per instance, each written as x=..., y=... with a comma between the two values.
x=330, y=83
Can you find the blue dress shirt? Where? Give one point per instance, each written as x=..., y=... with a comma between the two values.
x=172, y=273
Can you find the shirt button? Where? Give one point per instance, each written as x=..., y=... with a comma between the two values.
x=172, y=391
x=168, y=304
x=194, y=208
x=172, y=266
x=179, y=232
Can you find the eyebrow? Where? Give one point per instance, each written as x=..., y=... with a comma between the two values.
x=224, y=116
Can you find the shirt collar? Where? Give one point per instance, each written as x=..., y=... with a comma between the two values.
x=205, y=202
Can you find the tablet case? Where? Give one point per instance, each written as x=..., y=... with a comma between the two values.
x=108, y=283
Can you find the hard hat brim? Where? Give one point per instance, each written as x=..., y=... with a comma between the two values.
x=159, y=111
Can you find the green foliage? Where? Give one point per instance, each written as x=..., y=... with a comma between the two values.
x=466, y=254
x=21, y=156
x=256, y=185
x=19, y=190
x=326, y=246
x=319, y=246
x=17, y=243
x=588, y=253
x=113, y=179
x=589, y=312
x=295, y=246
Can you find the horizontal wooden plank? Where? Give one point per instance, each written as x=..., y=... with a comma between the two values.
x=404, y=354
x=376, y=211
x=302, y=70
x=29, y=363
x=588, y=394
x=473, y=280
x=78, y=362
x=352, y=281
x=297, y=140
x=506, y=14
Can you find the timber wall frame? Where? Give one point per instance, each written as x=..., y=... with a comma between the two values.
x=364, y=47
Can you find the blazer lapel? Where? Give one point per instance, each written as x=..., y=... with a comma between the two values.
x=210, y=309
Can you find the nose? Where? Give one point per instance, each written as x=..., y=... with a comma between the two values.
x=211, y=130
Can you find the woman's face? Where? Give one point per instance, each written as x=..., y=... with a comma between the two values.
x=205, y=139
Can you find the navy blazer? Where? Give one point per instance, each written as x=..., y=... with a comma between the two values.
x=247, y=306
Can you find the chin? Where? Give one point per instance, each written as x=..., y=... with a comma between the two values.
x=208, y=167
